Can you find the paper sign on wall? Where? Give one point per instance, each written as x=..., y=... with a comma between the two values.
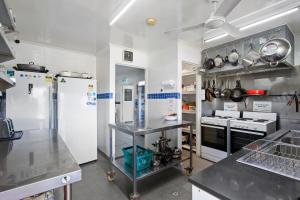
x=262, y=106
x=230, y=106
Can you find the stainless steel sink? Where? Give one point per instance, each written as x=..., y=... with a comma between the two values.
x=291, y=140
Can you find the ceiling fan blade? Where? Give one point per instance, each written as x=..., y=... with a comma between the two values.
x=226, y=7
x=230, y=29
x=185, y=29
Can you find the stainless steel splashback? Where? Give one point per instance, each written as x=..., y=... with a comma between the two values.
x=280, y=82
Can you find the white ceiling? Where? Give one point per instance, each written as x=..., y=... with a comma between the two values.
x=83, y=24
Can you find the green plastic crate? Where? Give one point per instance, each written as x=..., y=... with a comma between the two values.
x=143, y=157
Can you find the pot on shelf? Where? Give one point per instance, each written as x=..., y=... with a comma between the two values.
x=275, y=51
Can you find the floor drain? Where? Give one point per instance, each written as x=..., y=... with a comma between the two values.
x=175, y=194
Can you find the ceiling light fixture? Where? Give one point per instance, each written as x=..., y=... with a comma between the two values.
x=121, y=12
x=269, y=19
x=216, y=38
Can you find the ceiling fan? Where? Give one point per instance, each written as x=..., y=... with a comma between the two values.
x=217, y=19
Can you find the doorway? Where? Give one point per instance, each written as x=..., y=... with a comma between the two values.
x=130, y=100
x=130, y=94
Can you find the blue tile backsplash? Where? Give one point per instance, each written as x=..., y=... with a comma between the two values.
x=108, y=95
x=172, y=95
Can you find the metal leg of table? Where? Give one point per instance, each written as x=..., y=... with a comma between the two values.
x=191, y=148
x=110, y=174
x=190, y=168
x=68, y=192
x=135, y=195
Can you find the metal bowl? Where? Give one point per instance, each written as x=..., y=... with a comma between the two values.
x=275, y=51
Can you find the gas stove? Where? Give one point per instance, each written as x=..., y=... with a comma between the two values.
x=256, y=121
x=221, y=117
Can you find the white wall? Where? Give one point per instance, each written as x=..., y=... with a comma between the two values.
x=103, y=77
x=107, y=59
x=54, y=58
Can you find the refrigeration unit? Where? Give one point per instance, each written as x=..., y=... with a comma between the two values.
x=30, y=103
x=77, y=116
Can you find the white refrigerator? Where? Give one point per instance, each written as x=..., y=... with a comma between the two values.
x=77, y=116
x=30, y=103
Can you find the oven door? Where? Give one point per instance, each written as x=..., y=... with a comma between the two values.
x=214, y=137
x=241, y=138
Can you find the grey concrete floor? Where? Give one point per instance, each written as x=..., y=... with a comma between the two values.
x=170, y=184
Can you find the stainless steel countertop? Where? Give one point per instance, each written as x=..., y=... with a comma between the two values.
x=38, y=162
x=232, y=180
x=150, y=126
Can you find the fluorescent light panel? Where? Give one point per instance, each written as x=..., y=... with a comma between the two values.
x=270, y=18
x=216, y=38
x=121, y=12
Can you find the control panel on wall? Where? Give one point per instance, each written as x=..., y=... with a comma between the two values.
x=128, y=56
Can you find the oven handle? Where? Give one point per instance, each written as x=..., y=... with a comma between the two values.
x=248, y=132
x=209, y=126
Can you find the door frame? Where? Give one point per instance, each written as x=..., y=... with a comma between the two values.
x=146, y=85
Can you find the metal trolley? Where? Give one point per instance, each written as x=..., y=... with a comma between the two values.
x=154, y=126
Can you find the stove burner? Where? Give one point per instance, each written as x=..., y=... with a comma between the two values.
x=244, y=119
x=260, y=120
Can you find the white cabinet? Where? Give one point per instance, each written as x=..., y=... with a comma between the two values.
x=199, y=194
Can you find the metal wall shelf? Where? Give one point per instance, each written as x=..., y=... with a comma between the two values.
x=6, y=53
x=5, y=82
x=240, y=70
x=188, y=92
x=188, y=111
x=6, y=17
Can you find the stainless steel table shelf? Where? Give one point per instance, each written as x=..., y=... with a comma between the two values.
x=136, y=129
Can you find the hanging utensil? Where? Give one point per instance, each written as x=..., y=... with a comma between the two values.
x=237, y=94
x=227, y=91
x=209, y=91
x=217, y=92
x=213, y=89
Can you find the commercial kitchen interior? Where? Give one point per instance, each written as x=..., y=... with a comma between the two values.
x=149, y=99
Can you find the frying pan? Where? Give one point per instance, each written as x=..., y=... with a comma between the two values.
x=217, y=92
x=209, y=91
x=227, y=91
x=238, y=92
x=213, y=89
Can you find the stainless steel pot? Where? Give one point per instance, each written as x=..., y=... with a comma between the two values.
x=31, y=67
x=234, y=57
x=275, y=51
x=219, y=61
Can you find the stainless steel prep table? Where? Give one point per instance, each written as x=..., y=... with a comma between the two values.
x=38, y=162
x=136, y=129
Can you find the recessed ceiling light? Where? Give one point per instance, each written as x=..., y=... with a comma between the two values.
x=151, y=21
x=121, y=12
x=216, y=38
x=269, y=19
